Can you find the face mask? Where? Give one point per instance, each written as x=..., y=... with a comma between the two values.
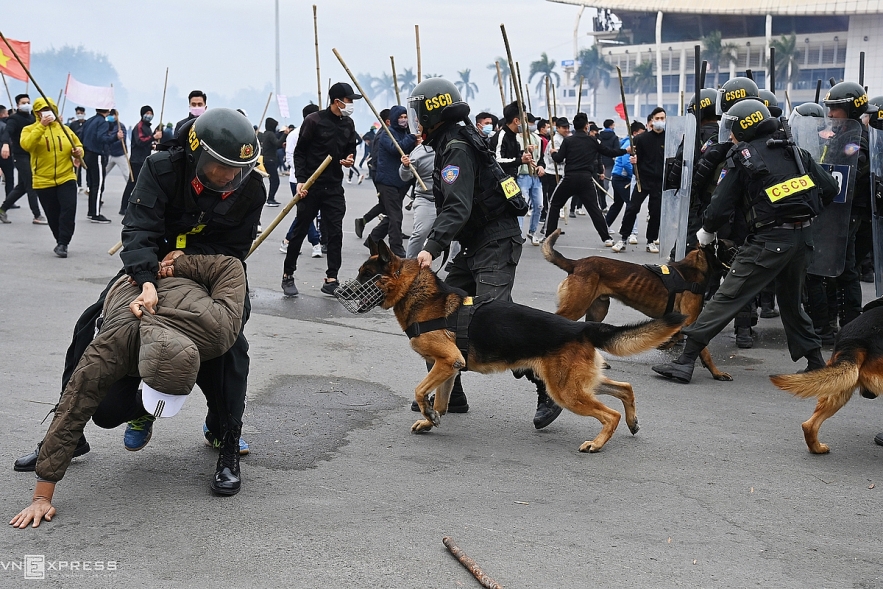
x=110, y=118
x=487, y=129
x=532, y=128
x=197, y=110
x=403, y=124
x=147, y=118
x=519, y=129
x=47, y=116
x=25, y=108
x=347, y=109
x=80, y=117
x=659, y=125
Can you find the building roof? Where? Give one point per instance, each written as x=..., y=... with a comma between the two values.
x=743, y=7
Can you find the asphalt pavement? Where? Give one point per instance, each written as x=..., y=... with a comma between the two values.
x=717, y=489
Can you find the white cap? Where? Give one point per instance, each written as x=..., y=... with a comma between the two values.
x=160, y=404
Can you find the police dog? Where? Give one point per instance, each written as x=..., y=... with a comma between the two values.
x=591, y=283
x=506, y=336
x=857, y=363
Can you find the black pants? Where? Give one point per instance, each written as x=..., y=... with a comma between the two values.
x=93, y=180
x=60, y=204
x=130, y=186
x=621, y=197
x=25, y=185
x=391, y=199
x=331, y=203
x=373, y=212
x=631, y=212
x=272, y=168
x=7, y=166
x=549, y=183
x=577, y=183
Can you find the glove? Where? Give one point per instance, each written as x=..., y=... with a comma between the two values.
x=705, y=237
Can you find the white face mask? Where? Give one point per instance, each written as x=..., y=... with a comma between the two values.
x=347, y=109
x=24, y=107
x=659, y=125
x=47, y=116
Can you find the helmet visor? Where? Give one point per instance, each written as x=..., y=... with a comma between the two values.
x=725, y=127
x=413, y=120
x=220, y=176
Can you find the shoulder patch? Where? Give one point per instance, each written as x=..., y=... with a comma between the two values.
x=722, y=176
x=450, y=173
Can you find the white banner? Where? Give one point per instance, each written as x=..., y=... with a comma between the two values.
x=282, y=101
x=92, y=96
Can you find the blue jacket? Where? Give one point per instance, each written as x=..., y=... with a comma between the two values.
x=94, y=128
x=111, y=143
x=621, y=165
x=386, y=155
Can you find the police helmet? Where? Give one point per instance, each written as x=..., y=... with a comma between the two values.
x=734, y=90
x=875, y=112
x=434, y=101
x=707, y=108
x=770, y=101
x=743, y=118
x=849, y=96
x=223, y=148
x=807, y=109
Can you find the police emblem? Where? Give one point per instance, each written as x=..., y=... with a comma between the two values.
x=246, y=151
x=450, y=173
x=722, y=176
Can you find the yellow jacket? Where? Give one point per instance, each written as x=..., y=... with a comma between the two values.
x=51, y=151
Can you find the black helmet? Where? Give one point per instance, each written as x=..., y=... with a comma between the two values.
x=770, y=101
x=849, y=96
x=733, y=91
x=707, y=108
x=875, y=111
x=223, y=148
x=434, y=101
x=743, y=118
x=807, y=109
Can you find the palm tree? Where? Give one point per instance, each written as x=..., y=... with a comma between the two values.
x=467, y=89
x=384, y=87
x=407, y=81
x=544, y=67
x=594, y=70
x=367, y=81
x=504, y=72
x=718, y=53
x=787, y=61
x=643, y=80
x=427, y=76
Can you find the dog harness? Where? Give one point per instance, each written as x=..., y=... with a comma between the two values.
x=674, y=283
x=457, y=322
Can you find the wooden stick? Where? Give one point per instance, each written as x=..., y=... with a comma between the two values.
x=529, y=106
x=316, y=39
x=11, y=102
x=395, y=80
x=162, y=107
x=419, y=63
x=377, y=114
x=64, y=100
x=579, y=95
x=628, y=123
x=517, y=87
x=500, y=83
x=470, y=564
x=297, y=198
x=552, y=129
x=788, y=101
x=263, y=114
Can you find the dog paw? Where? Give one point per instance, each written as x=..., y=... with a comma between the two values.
x=589, y=447
x=634, y=427
x=433, y=416
x=723, y=376
x=820, y=449
x=421, y=426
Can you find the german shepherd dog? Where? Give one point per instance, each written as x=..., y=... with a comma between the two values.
x=591, y=283
x=506, y=336
x=857, y=362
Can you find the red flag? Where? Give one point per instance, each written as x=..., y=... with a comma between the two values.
x=620, y=110
x=8, y=64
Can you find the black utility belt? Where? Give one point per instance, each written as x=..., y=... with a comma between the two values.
x=794, y=225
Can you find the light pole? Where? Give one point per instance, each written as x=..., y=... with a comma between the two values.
x=278, y=86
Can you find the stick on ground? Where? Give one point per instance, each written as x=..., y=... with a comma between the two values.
x=470, y=564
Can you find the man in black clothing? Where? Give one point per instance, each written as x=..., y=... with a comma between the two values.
x=327, y=132
x=649, y=157
x=270, y=144
x=76, y=125
x=143, y=140
x=12, y=148
x=581, y=151
x=7, y=165
x=93, y=130
x=196, y=106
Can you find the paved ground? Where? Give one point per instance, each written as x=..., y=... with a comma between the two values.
x=716, y=490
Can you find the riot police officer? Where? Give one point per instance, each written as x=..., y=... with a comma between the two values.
x=778, y=189
x=477, y=204
x=199, y=195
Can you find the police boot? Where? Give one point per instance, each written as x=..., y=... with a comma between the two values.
x=681, y=369
x=768, y=305
x=814, y=361
x=744, y=340
x=547, y=409
x=227, y=480
x=28, y=462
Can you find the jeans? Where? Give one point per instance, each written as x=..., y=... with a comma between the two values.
x=532, y=190
x=621, y=196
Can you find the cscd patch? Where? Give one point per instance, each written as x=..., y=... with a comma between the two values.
x=450, y=173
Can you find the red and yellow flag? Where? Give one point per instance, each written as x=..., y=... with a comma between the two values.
x=9, y=65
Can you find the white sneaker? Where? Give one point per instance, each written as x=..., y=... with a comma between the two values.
x=619, y=247
x=652, y=248
x=284, y=247
x=361, y=178
x=317, y=250
x=561, y=214
x=527, y=214
x=633, y=239
x=535, y=240
x=608, y=243
x=580, y=211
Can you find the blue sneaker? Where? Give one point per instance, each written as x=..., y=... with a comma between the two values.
x=138, y=433
x=211, y=440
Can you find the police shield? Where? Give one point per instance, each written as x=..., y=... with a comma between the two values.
x=876, y=151
x=679, y=132
x=833, y=143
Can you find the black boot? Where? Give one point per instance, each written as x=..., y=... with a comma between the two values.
x=28, y=462
x=681, y=369
x=814, y=361
x=457, y=403
x=768, y=305
x=547, y=410
x=227, y=480
x=744, y=339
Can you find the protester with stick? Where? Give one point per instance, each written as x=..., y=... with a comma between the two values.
x=196, y=105
x=52, y=167
x=143, y=140
x=20, y=119
x=94, y=131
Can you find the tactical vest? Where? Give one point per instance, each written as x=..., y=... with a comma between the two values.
x=776, y=192
x=496, y=194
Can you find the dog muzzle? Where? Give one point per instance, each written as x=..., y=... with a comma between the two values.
x=360, y=297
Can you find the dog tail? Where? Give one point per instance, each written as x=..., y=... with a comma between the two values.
x=627, y=340
x=553, y=256
x=838, y=377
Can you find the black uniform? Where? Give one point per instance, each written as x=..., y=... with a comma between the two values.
x=650, y=151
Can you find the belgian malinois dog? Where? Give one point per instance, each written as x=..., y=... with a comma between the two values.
x=505, y=336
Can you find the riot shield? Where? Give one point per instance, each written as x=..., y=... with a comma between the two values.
x=833, y=143
x=876, y=151
x=680, y=134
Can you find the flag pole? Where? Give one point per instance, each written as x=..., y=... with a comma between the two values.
x=11, y=103
x=64, y=100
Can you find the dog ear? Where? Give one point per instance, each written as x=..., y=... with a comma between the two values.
x=372, y=246
x=383, y=252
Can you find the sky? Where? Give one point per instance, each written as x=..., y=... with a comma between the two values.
x=226, y=46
